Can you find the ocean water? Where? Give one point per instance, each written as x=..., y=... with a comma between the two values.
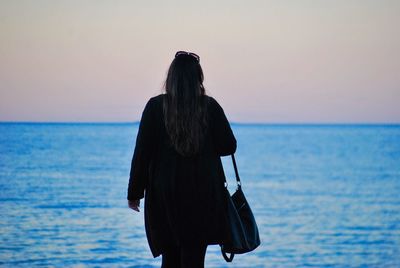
x=323, y=196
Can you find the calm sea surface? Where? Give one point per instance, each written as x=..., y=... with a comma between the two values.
x=323, y=196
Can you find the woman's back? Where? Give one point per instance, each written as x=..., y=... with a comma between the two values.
x=184, y=193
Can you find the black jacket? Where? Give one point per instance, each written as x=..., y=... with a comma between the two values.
x=184, y=201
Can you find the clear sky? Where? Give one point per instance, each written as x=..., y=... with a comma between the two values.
x=264, y=61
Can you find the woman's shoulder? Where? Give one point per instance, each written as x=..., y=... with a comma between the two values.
x=157, y=98
x=155, y=101
x=161, y=96
x=211, y=101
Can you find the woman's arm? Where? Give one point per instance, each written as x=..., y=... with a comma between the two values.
x=224, y=139
x=142, y=155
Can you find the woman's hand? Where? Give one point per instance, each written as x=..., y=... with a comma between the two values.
x=134, y=204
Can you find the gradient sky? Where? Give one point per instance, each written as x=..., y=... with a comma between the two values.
x=264, y=61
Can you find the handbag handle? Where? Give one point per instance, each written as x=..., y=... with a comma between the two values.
x=239, y=184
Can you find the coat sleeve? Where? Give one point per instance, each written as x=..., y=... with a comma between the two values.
x=142, y=155
x=224, y=139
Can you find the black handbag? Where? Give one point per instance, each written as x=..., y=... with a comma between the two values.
x=242, y=230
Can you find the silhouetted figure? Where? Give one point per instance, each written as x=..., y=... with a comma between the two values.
x=177, y=163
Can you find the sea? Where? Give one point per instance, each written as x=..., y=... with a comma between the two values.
x=323, y=195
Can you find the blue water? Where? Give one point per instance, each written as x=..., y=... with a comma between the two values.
x=323, y=196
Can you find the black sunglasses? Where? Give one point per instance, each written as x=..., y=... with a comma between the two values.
x=194, y=55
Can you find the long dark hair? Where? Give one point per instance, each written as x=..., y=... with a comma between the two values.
x=185, y=105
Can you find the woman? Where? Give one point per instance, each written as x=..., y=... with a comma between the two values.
x=176, y=161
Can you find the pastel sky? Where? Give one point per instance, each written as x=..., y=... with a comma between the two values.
x=264, y=61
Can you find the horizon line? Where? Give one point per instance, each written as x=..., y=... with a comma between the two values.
x=232, y=123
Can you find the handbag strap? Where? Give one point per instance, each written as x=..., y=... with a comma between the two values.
x=227, y=259
x=236, y=170
x=239, y=184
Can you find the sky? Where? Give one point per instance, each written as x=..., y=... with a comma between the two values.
x=264, y=61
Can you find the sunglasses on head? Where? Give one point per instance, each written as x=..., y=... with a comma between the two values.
x=194, y=55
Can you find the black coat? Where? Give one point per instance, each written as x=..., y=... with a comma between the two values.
x=184, y=201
